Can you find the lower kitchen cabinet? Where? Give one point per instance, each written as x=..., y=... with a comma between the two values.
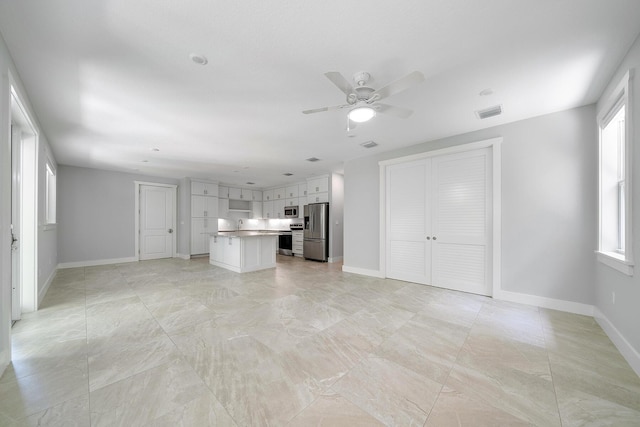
x=243, y=254
x=201, y=229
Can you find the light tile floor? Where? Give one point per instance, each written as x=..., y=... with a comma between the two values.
x=174, y=342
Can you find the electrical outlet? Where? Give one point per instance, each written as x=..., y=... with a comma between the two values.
x=613, y=297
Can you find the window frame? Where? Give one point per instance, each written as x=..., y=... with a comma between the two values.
x=621, y=260
x=51, y=195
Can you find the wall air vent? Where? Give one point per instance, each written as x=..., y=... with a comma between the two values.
x=287, y=174
x=312, y=159
x=369, y=144
x=489, y=112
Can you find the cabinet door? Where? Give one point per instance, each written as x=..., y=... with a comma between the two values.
x=292, y=202
x=278, y=208
x=235, y=193
x=318, y=198
x=223, y=192
x=291, y=191
x=267, y=209
x=256, y=210
x=216, y=248
x=318, y=185
x=197, y=188
x=279, y=193
x=232, y=250
x=257, y=195
x=198, y=206
x=211, y=207
x=197, y=240
x=246, y=194
x=267, y=195
x=223, y=208
x=302, y=190
x=210, y=189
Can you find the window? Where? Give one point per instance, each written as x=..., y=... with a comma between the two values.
x=615, y=181
x=50, y=198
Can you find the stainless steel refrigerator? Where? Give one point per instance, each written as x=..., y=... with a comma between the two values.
x=316, y=231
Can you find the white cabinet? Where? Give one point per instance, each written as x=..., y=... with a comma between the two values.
x=279, y=193
x=292, y=201
x=200, y=234
x=235, y=193
x=231, y=251
x=278, y=208
x=297, y=242
x=291, y=191
x=267, y=195
x=204, y=188
x=267, y=209
x=317, y=185
x=318, y=198
x=216, y=250
x=204, y=207
x=256, y=210
x=223, y=208
x=243, y=254
x=302, y=190
x=257, y=195
x=223, y=192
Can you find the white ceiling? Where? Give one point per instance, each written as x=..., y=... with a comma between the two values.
x=111, y=79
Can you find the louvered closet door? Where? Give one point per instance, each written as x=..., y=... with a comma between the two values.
x=461, y=210
x=408, y=222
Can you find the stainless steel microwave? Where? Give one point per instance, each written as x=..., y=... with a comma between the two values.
x=291, y=212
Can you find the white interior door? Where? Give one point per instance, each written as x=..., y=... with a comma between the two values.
x=157, y=223
x=438, y=221
x=461, y=212
x=408, y=221
x=16, y=289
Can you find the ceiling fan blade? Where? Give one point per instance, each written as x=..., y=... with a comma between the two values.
x=339, y=80
x=320, y=110
x=399, y=112
x=399, y=85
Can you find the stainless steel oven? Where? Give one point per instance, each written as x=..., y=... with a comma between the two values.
x=285, y=243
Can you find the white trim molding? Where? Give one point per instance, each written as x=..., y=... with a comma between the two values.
x=362, y=271
x=46, y=285
x=544, y=302
x=630, y=354
x=183, y=256
x=92, y=263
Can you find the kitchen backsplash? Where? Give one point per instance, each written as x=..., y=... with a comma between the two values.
x=256, y=224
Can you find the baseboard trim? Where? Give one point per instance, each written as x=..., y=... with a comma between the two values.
x=362, y=271
x=630, y=354
x=42, y=292
x=335, y=259
x=93, y=263
x=183, y=256
x=544, y=302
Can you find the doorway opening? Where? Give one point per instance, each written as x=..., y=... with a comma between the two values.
x=24, y=208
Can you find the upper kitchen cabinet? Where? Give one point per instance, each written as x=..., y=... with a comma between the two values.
x=302, y=190
x=204, y=188
x=240, y=194
x=318, y=185
x=279, y=193
x=267, y=195
x=223, y=192
x=291, y=191
x=257, y=195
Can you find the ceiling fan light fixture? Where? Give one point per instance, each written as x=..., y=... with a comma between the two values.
x=362, y=114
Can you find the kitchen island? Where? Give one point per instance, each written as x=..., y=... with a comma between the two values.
x=243, y=251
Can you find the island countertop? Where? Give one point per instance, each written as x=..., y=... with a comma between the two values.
x=247, y=233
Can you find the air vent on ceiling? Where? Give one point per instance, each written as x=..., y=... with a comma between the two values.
x=489, y=112
x=369, y=144
x=312, y=159
x=250, y=183
x=287, y=174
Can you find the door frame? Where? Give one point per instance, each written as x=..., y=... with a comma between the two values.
x=174, y=197
x=496, y=235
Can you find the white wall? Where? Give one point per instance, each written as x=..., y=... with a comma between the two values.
x=336, y=217
x=623, y=315
x=96, y=218
x=549, y=180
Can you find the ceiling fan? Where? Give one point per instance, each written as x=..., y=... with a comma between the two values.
x=362, y=100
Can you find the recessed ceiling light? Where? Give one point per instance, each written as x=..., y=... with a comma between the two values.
x=486, y=92
x=199, y=59
x=155, y=149
x=145, y=161
x=312, y=159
